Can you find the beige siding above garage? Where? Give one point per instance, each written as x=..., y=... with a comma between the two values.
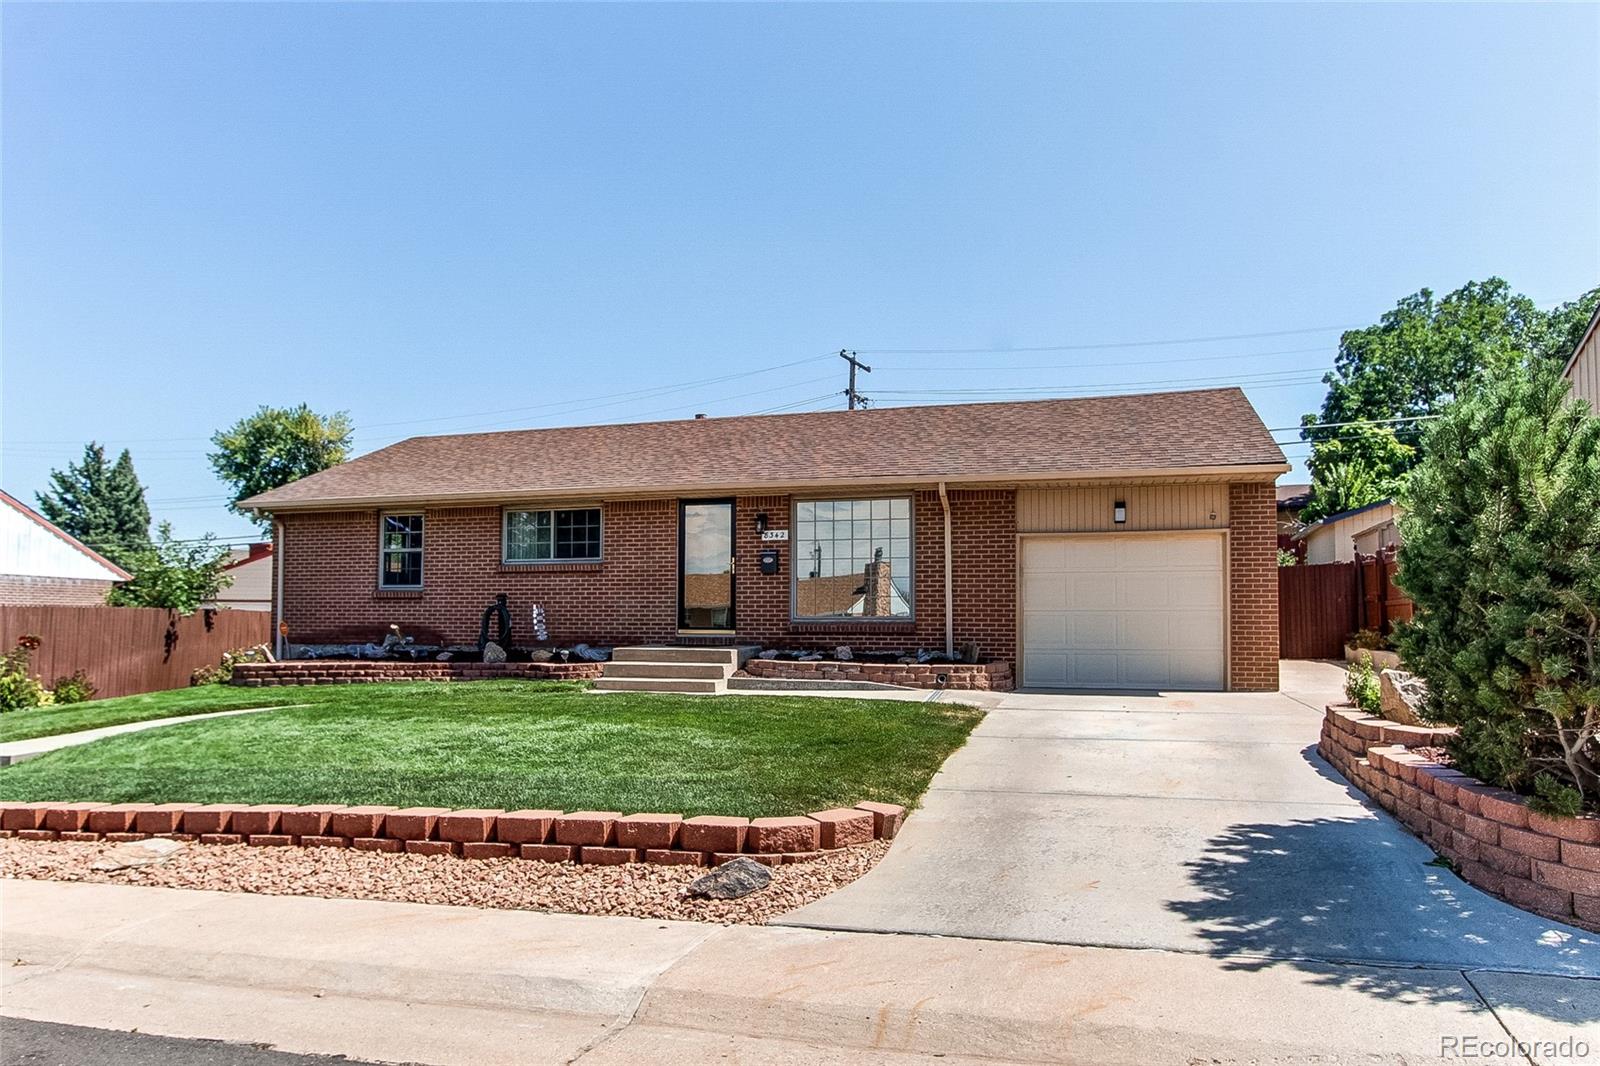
x=1088, y=509
x=1584, y=370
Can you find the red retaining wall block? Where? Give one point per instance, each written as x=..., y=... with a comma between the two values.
x=547, y=852
x=377, y=844
x=840, y=827
x=123, y=838
x=78, y=834
x=711, y=832
x=412, y=823
x=593, y=828
x=481, y=850
x=221, y=838
x=720, y=857
x=161, y=817
x=358, y=821
x=641, y=831
x=211, y=818
x=115, y=817
x=525, y=826
x=433, y=847
x=270, y=840
x=672, y=857
x=319, y=841
x=258, y=819
x=886, y=818
x=595, y=856
x=68, y=817
x=21, y=816
x=36, y=834
x=469, y=827
x=310, y=820
x=768, y=835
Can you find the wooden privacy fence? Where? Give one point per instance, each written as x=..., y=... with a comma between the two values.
x=1319, y=606
x=125, y=650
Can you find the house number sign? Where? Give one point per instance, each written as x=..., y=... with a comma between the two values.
x=774, y=534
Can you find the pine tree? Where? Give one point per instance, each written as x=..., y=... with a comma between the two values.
x=100, y=503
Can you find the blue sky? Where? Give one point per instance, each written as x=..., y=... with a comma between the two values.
x=444, y=217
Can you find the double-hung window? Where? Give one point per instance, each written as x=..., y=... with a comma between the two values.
x=852, y=559
x=554, y=535
x=400, y=551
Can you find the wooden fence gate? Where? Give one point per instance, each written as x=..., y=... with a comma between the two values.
x=1320, y=605
x=125, y=650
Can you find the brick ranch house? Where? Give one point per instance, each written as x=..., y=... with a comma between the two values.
x=1112, y=542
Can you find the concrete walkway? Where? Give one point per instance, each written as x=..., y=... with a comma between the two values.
x=15, y=751
x=1202, y=823
x=444, y=985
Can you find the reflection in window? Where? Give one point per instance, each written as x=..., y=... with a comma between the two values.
x=561, y=535
x=401, y=549
x=852, y=558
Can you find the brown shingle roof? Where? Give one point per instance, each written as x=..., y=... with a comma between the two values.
x=959, y=443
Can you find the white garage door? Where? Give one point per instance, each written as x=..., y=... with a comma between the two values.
x=1123, y=612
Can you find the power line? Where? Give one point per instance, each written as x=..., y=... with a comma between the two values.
x=1098, y=366
x=855, y=398
x=1094, y=347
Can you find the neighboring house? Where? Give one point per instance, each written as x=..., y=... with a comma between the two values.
x=1583, y=369
x=41, y=564
x=250, y=570
x=1291, y=501
x=1338, y=537
x=1113, y=542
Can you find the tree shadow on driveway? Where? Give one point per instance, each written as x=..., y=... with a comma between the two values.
x=1325, y=892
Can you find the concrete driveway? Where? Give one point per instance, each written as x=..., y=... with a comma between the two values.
x=1199, y=822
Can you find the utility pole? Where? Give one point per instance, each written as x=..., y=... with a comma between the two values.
x=855, y=364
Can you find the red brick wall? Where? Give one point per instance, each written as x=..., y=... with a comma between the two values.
x=331, y=564
x=61, y=591
x=1252, y=587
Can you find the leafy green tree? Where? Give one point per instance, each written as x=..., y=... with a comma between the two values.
x=1416, y=360
x=177, y=575
x=100, y=503
x=275, y=446
x=1501, y=553
x=1346, y=485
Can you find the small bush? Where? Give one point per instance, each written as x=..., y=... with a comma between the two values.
x=1361, y=686
x=1368, y=640
x=18, y=689
x=1555, y=799
x=222, y=673
x=1287, y=558
x=73, y=688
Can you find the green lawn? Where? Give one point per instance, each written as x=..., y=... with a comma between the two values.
x=514, y=744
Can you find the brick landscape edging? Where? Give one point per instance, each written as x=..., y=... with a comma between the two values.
x=995, y=677
x=1544, y=864
x=350, y=671
x=604, y=838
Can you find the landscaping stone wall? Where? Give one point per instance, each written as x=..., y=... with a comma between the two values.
x=346, y=672
x=604, y=838
x=1547, y=865
x=995, y=677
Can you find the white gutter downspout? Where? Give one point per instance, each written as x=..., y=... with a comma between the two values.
x=277, y=572
x=949, y=581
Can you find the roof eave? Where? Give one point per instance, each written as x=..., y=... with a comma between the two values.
x=1237, y=472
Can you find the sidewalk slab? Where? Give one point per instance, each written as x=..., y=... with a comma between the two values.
x=15, y=751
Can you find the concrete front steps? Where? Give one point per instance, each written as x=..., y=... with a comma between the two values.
x=672, y=668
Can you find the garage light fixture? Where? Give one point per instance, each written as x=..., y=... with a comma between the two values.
x=761, y=522
x=1119, y=512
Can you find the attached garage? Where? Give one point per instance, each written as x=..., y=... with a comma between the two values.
x=1130, y=610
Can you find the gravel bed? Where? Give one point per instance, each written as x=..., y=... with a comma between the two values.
x=637, y=890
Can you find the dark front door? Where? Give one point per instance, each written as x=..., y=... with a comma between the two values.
x=705, y=564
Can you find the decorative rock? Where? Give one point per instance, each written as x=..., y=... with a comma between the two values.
x=139, y=853
x=593, y=655
x=493, y=653
x=968, y=652
x=1403, y=696
x=541, y=655
x=734, y=879
x=768, y=653
x=843, y=653
x=444, y=656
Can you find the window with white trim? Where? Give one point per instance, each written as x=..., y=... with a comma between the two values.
x=400, y=551
x=852, y=559
x=555, y=535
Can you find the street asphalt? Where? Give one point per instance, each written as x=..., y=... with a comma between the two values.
x=29, y=1043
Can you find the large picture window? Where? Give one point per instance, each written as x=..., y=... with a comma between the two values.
x=852, y=559
x=570, y=534
x=400, y=551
